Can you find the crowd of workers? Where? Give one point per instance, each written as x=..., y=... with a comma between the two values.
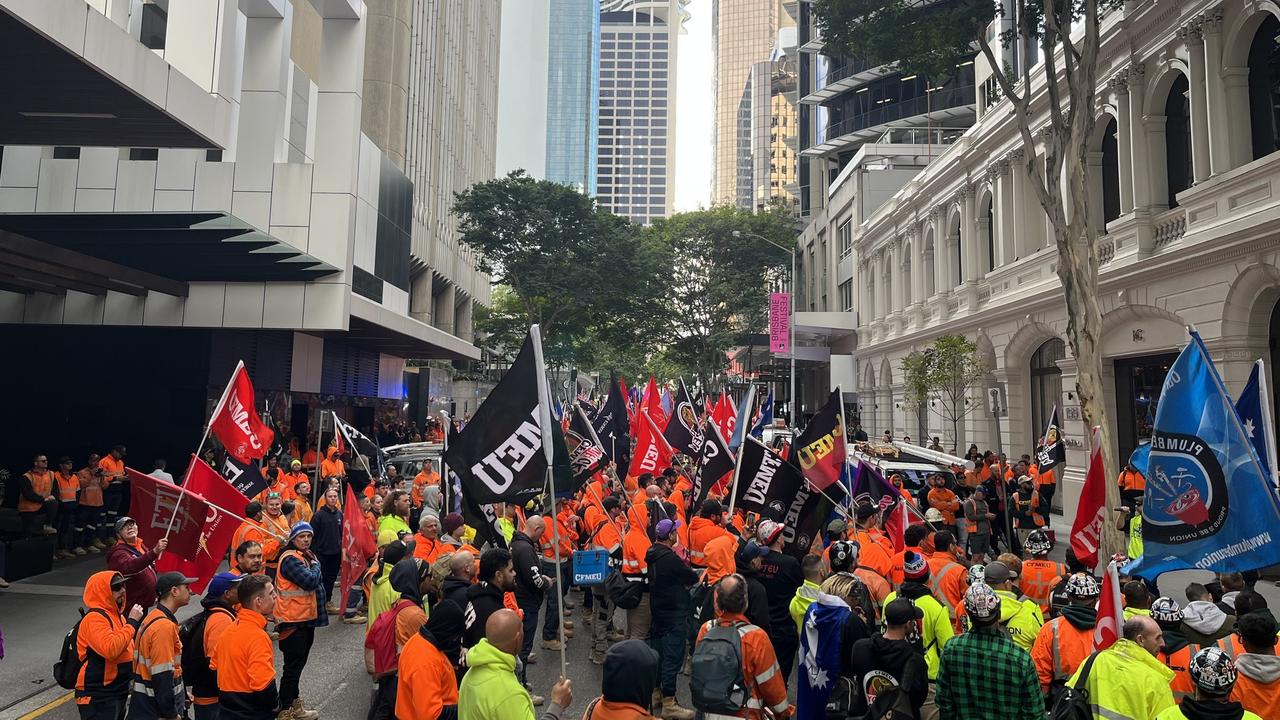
x=948, y=627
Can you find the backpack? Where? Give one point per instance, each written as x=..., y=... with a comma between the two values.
x=381, y=641
x=623, y=592
x=716, y=679
x=1073, y=703
x=196, y=672
x=66, y=671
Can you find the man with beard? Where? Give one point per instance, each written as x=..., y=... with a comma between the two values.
x=497, y=576
x=781, y=576
x=462, y=571
x=531, y=584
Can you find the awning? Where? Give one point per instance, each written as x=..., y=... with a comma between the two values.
x=182, y=247
x=400, y=335
x=72, y=77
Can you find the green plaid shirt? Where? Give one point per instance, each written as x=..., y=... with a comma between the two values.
x=985, y=676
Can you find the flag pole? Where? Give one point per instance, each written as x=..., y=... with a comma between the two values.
x=216, y=409
x=445, y=483
x=320, y=453
x=544, y=424
x=733, y=488
x=1268, y=422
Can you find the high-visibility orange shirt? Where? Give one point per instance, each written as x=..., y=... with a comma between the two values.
x=760, y=666
x=271, y=543
x=293, y=478
x=248, y=530
x=309, y=457
x=1038, y=579
x=720, y=552
x=1048, y=477
x=872, y=554
x=331, y=466
x=112, y=469
x=568, y=536
x=41, y=483
x=702, y=531
x=90, y=487
x=428, y=549
x=158, y=660
x=68, y=485
x=946, y=502
x=426, y=683
x=899, y=559
x=1059, y=649
x=947, y=580
x=607, y=535
x=421, y=482
x=245, y=660
x=1259, y=698
x=1132, y=480
x=634, y=546
x=214, y=627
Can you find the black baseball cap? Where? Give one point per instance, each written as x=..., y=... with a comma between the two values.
x=901, y=611
x=170, y=580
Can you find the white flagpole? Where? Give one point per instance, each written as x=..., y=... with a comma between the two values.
x=544, y=423
x=218, y=408
x=1268, y=422
x=733, y=488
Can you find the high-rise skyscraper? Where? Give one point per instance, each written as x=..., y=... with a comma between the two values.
x=635, y=172
x=548, y=90
x=743, y=33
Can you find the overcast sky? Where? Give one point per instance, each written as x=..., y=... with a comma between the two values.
x=694, y=92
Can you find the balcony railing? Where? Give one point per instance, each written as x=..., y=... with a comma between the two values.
x=890, y=112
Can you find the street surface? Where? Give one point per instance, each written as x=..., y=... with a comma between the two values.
x=36, y=613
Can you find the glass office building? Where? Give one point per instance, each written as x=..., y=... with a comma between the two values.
x=573, y=82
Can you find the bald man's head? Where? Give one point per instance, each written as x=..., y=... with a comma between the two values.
x=653, y=491
x=462, y=565
x=534, y=527
x=504, y=631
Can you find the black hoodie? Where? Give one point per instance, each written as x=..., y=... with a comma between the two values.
x=898, y=659
x=455, y=589
x=405, y=580
x=1083, y=617
x=669, y=582
x=530, y=583
x=1195, y=709
x=630, y=673
x=483, y=600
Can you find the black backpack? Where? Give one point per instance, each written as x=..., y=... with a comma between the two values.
x=196, y=672
x=1073, y=703
x=716, y=679
x=623, y=592
x=67, y=670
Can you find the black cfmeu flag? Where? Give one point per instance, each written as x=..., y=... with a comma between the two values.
x=684, y=427
x=484, y=518
x=1051, y=451
x=367, y=458
x=245, y=477
x=586, y=457
x=613, y=428
x=767, y=484
x=806, y=513
x=714, y=462
x=498, y=456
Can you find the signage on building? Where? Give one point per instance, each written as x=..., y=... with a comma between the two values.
x=780, y=323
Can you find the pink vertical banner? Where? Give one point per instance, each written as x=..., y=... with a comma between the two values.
x=780, y=323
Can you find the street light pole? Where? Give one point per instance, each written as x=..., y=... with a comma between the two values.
x=791, y=326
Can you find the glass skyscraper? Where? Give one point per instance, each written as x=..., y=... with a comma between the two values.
x=573, y=81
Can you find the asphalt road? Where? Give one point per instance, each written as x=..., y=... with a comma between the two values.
x=36, y=613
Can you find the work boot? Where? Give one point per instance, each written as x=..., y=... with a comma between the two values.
x=97, y=542
x=568, y=624
x=79, y=551
x=597, y=657
x=301, y=713
x=569, y=603
x=3, y=583
x=671, y=710
x=553, y=644
x=532, y=659
x=655, y=703
x=615, y=635
x=568, y=633
x=331, y=608
x=355, y=619
x=50, y=530
x=92, y=548
x=538, y=700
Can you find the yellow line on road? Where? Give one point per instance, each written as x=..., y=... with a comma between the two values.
x=40, y=711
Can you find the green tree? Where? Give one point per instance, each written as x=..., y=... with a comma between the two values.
x=946, y=373
x=932, y=38
x=567, y=264
x=915, y=390
x=719, y=284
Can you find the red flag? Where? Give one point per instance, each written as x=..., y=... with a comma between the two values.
x=652, y=453
x=358, y=546
x=723, y=416
x=895, y=525
x=235, y=422
x=221, y=502
x=153, y=503
x=1091, y=512
x=651, y=403
x=1110, y=610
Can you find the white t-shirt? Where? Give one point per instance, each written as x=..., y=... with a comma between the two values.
x=161, y=475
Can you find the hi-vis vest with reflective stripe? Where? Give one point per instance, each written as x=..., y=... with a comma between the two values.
x=935, y=587
x=755, y=702
x=151, y=659
x=294, y=603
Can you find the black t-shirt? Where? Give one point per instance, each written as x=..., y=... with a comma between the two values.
x=781, y=576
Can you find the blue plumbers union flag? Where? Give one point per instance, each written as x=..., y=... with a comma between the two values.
x=1209, y=503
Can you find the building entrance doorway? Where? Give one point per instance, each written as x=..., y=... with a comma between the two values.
x=1138, y=383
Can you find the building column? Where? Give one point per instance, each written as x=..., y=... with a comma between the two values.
x=1219, y=127
x=969, y=241
x=1007, y=211
x=1120, y=86
x=885, y=282
x=1157, y=172
x=1138, y=140
x=917, y=275
x=1097, y=211
x=866, y=285
x=896, y=281
x=1235, y=82
x=941, y=253
x=444, y=306
x=264, y=100
x=1192, y=33
x=420, y=296
x=462, y=326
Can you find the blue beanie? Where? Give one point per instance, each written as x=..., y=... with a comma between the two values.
x=299, y=528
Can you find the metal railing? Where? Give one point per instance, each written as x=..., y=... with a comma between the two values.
x=890, y=112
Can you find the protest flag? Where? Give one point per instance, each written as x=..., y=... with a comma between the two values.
x=742, y=423
x=1051, y=451
x=766, y=483
x=367, y=458
x=499, y=456
x=819, y=451
x=1209, y=504
x=247, y=478
x=163, y=509
x=684, y=425
x=766, y=418
x=652, y=453
x=1091, y=513
x=358, y=547
x=586, y=457
x=651, y=402
x=235, y=421
x=1255, y=414
x=870, y=488
x=1110, y=610
x=613, y=426
x=223, y=509
x=715, y=461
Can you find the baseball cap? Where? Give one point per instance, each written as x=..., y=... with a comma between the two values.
x=117, y=582
x=981, y=602
x=866, y=511
x=837, y=526
x=901, y=611
x=753, y=550
x=221, y=583
x=665, y=527
x=997, y=572
x=170, y=580
x=768, y=532
x=296, y=463
x=914, y=566
x=124, y=521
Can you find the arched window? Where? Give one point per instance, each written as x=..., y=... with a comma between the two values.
x=1177, y=139
x=1046, y=383
x=1110, y=174
x=1264, y=88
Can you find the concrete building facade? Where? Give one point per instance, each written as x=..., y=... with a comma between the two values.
x=1184, y=177
x=301, y=223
